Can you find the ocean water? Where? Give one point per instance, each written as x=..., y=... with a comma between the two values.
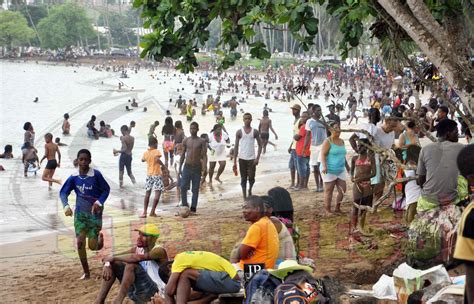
x=28, y=209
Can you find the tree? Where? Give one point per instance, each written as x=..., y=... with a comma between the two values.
x=180, y=26
x=120, y=28
x=33, y=13
x=14, y=30
x=66, y=25
x=442, y=30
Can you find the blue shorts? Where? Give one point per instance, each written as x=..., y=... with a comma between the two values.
x=292, y=162
x=143, y=288
x=302, y=166
x=216, y=282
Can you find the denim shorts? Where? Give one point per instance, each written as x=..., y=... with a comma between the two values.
x=292, y=162
x=302, y=166
x=216, y=282
x=143, y=288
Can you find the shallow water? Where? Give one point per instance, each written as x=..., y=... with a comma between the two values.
x=28, y=208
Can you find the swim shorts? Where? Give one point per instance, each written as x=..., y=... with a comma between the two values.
x=265, y=136
x=90, y=224
x=51, y=164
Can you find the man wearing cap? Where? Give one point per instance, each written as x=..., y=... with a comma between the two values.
x=204, y=271
x=136, y=269
x=296, y=109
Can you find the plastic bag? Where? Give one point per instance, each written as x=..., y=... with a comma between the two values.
x=385, y=288
x=408, y=279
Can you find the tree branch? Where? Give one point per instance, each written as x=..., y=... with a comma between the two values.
x=426, y=19
x=437, y=53
x=374, y=206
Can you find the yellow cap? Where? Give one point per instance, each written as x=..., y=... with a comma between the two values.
x=149, y=230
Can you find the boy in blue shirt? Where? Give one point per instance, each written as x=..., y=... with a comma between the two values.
x=91, y=190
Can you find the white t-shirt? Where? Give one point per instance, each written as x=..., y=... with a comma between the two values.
x=383, y=139
x=151, y=267
x=371, y=128
x=412, y=190
x=219, y=153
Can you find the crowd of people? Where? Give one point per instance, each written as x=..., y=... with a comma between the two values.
x=437, y=187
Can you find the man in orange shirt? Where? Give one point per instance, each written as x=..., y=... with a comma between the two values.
x=153, y=175
x=260, y=245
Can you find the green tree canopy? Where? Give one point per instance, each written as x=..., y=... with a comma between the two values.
x=179, y=26
x=66, y=25
x=14, y=30
x=37, y=12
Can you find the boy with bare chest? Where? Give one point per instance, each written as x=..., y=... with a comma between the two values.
x=50, y=150
x=264, y=128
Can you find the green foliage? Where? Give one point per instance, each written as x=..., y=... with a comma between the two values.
x=66, y=25
x=14, y=30
x=440, y=9
x=179, y=27
x=351, y=14
x=37, y=12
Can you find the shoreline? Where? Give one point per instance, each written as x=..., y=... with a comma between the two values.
x=49, y=261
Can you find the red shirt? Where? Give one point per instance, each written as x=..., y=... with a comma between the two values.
x=300, y=143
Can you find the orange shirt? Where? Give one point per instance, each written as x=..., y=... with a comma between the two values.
x=263, y=237
x=153, y=167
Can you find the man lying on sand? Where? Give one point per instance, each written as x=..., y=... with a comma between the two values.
x=204, y=273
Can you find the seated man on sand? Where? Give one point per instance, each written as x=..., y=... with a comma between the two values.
x=260, y=244
x=136, y=269
x=204, y=273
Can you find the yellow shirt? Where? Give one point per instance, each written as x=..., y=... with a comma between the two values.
x=263, y=237
x=153, y=166
x=202, y=260
x=464, y=249
x=296, y=130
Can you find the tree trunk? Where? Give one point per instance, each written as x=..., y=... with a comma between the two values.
x=320, y=37
x=263, y=32
x=32, y=23
x=444, y=59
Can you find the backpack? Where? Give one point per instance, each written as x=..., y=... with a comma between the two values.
x=261, y=287
x=287, y=293
x=314, y=292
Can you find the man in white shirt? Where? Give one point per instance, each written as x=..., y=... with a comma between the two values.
x=316, y=133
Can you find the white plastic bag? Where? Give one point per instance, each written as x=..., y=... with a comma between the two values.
x=408, y=279
x=385, y=288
